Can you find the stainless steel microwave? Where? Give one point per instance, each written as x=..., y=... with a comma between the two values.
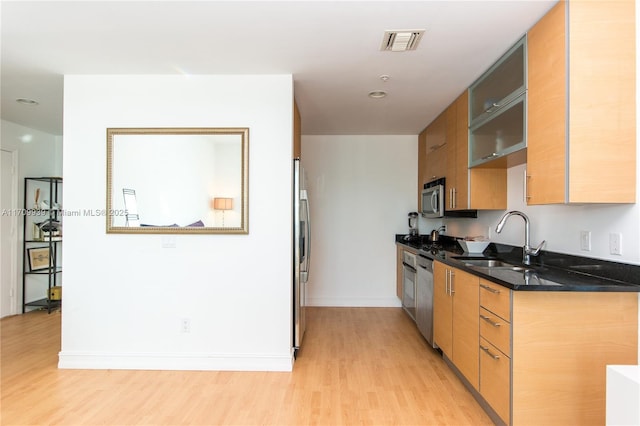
x=433, y=199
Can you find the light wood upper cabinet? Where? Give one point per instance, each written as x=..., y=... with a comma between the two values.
x=456, y=182
x=422, y=164
x=436, y=134
x=297, y=131
x=482, y=188
x=581, y=145
x=436, y=140
x=432, y=155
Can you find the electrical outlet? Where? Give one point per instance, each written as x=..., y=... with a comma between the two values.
x=585, y=240
x=615, y=243
x=185, y=325
x=168, y=241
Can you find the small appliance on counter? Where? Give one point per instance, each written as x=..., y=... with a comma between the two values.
x=414, y=233
x=435, y=234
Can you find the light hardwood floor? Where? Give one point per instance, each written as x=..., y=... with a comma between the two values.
x=366, y=366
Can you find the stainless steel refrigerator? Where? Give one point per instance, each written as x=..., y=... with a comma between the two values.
x=301, y=252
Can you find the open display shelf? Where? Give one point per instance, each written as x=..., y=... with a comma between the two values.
x=42, y=244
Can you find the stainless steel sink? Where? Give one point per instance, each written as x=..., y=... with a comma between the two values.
x=487, y=263
x=490, y=264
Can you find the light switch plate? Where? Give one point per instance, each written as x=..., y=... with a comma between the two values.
x=585, y=240
x=615, y=243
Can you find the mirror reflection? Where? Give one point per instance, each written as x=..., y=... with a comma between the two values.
x=177, y=180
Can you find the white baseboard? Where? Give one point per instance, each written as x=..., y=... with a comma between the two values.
x=147, y=361
x=392, y=302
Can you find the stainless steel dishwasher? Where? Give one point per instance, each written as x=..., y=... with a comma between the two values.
x=424, y=298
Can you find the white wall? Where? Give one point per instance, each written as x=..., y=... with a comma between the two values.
x=361, y=189
x=125, y=297
x=38, y=154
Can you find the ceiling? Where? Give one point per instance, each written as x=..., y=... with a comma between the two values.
x=332, y=49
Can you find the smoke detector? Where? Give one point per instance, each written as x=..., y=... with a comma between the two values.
x=401, y=40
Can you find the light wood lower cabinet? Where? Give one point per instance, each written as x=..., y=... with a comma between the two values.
x=543, y=354
x=495, y=371
x=495, y=347
x=456, y=302
x=562, y=344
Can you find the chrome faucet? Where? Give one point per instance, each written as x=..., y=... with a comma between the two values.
x=527, y=252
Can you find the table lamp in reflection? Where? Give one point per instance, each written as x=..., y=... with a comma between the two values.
x=222, y=204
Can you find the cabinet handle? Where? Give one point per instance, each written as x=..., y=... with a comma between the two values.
x=434, y=147
x=451, y=275
x=492, y=107
x=492, y=155
x=487, y=319
x=486, y=349
x=525, y=188
x=446, y=282
x=492, y=290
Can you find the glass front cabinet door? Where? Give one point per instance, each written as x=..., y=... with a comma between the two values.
x=497, y=108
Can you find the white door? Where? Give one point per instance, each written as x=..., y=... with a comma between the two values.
x=8, y=235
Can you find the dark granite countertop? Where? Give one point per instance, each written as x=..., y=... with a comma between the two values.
x=548, y=272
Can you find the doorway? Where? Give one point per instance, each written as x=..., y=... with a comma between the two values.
x=8, y=233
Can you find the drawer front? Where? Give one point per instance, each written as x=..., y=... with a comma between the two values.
x=495, y=298
x=496, y=330
x=495, y=383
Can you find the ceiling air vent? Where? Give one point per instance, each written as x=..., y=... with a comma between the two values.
x=401, y=40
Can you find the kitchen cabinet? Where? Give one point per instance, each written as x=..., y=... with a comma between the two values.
x=443, y=151
x=562, y=343
x=497, y=108
x=436, y=141
x=431, y=154
x=482, y=188
x=456, y=182
x=456, y=321
x=581, y=145
x=422, y=165
x=543, y=355
x=495, y=347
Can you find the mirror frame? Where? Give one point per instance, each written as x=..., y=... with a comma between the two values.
x=244, y=193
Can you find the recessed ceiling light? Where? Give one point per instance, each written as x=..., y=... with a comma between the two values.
x=26, y=101
x=377, y=94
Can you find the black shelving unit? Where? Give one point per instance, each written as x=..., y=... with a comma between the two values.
x=46, y=208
